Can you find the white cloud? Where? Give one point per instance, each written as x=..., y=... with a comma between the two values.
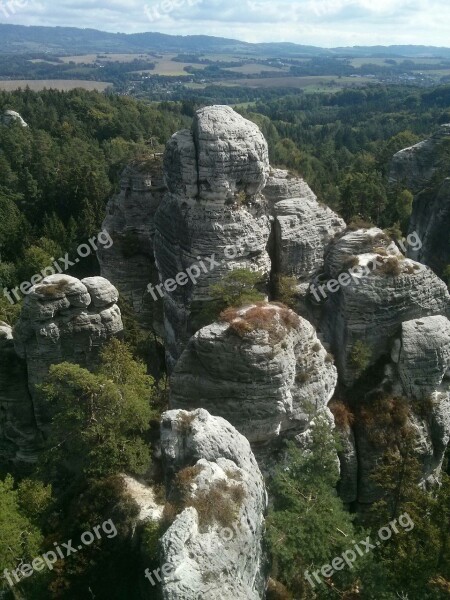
x=316, y=22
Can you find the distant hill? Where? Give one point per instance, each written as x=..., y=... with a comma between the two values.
x=19, y=39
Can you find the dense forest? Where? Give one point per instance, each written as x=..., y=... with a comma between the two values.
x=56, y=176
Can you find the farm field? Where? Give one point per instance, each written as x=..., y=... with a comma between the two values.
x=89, y=59
x=166, y=66
x=255, y=68
x=441, y=72
x=316, y=82
x=63, y=85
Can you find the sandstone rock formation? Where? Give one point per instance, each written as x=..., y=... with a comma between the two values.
x=214, y=209
x=424, y=169
x=381, y=289
x=10, y=116
x=64, y=319
x=226, y=203
x=129, y=263
x=303, y=227
x=263, y=369
x=219, y=557
x=422, y=354
x=225, y=208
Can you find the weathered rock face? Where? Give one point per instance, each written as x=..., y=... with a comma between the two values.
x=10, y=116
x=214, y=210
x=226, y=203
x=431, y=220
x=303, y=229
x=422, y=354
x=19, y=437
x=129, y=263
x=381, y=290
x=65, y=319
x=302, y=226
x=222, y=155
x=424, y=170
x=265, y=371
x=281, y=185
x=213, y=560
x=430, y=426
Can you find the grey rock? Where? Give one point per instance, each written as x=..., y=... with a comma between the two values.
x=11, y=116
x=145, y=498
x=213, y=562
x=101, y=291
x=424, y=356
x=373, y=304
x=303, y=230
x=414, y=167
x=213, y=211
x=222, y=155
x=428, y=413
x=60, y=322
x=349, y=468
x=302, y=227
x=281, y=185
x=430, y=220
x=263, y=382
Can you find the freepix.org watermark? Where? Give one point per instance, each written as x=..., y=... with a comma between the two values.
x=164, y=8
x=9, y=7
x=53, y=556
x=360, y=549
x=61, y=265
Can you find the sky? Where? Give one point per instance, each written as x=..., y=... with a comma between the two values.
x=326, y=23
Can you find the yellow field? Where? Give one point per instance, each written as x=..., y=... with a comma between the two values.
x=55, y=84
x=165, y=66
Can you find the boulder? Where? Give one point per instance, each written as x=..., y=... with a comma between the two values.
x=220, y=556
x=263, y=369
x=64, y=319
x=302, y=227
x=303, y=230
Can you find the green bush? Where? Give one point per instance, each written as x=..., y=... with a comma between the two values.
x=360, y=356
